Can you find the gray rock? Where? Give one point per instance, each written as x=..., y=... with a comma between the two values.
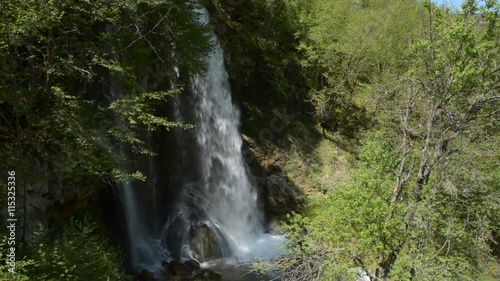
x=281, y=196
x=206, y=242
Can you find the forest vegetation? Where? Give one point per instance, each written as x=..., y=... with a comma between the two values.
x=394, y=138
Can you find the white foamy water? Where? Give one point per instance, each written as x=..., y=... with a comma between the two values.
x=224, y=193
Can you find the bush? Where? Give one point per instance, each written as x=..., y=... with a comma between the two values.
x=21, y=265
x=79, y=254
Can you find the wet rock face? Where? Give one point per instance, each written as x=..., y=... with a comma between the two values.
x=191, y=235
x=206, y=243
x=52, y=203
x=280, y=195
x=277, y=193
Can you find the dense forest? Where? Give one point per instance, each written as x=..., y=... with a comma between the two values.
x=369, y=128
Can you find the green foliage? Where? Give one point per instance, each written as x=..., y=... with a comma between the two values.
x=78, y=254
x=348, y=45
x=350, y=222
x=21, y=266
x=460, y=208
x=139, y=110
x=349, y=229
x=260, y=49
x=81, y=83
x=423, y=199
x=83, y=79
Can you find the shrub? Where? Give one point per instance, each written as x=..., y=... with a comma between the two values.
x=21, y=265
x=78, y=254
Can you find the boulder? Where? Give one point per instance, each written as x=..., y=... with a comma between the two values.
x=205, y=243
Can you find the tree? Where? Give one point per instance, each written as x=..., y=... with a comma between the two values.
x=450, y=100
x=63, y=64
x=424, y=195
x=349, y=45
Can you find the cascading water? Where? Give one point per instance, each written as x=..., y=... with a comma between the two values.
x=216, y=214
x=212, y=210
x=145, y=250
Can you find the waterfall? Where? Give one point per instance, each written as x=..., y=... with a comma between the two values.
x=230, y=199
x=206, y=204
x=145, y=249
x=217, y=213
